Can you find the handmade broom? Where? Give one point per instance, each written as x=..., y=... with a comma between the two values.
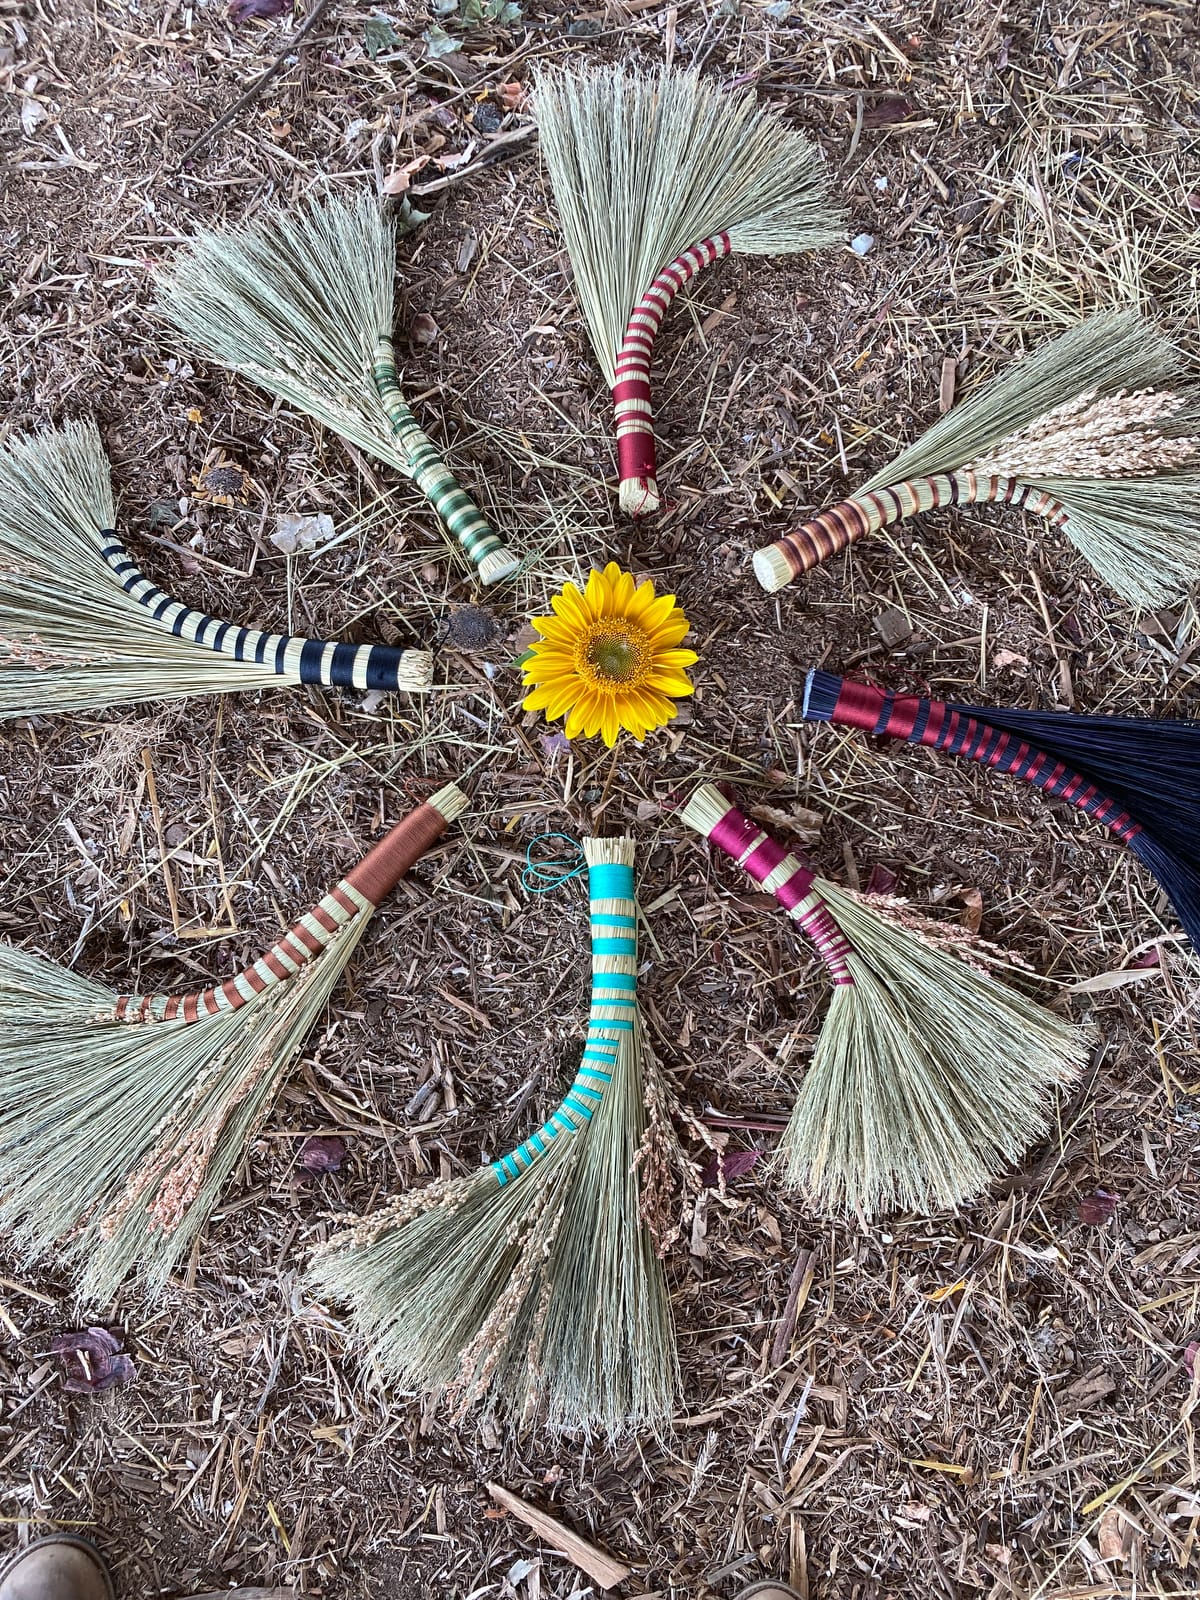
x=929, y=1077
x=1139, y=777
x=302, y=304
x=1096, y=431
x=82, y=628
x=532, y=1286
x=122, y=1117
x=656, y=175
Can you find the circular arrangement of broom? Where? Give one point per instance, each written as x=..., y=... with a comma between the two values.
x=82, y=628
x=302, y=304
x=532, y=1286
x=929, y=1077
x=122, y=1117
x=1097, y=431
x=656, y=175
x=1139, y=777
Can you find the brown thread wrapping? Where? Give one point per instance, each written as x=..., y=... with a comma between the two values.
x=381, y=869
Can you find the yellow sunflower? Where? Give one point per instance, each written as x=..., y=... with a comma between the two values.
x=609, y=658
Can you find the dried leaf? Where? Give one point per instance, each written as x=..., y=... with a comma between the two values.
x=972, y=917
x=1190, y=1356
x=93, y=1361
x=422, y=329
x=889, y=109
x=1097, y=1207
x=893, y=627
x=1117, y=979
x=295, y=533
x=397, y=182
x=323, y=1153
x=797, y=819
x=379, y=36
x=256, y=10
x=1110, y=1534
x=438, y=43
x=881, y=880
x=1009, y=658
x=511, y=95
x=733, y=1164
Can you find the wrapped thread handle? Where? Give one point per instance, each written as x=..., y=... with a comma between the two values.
x=361, y=890
x=612, y=1021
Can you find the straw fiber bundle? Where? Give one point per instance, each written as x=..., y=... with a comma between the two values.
x=1097, y=432
x=81, y=628
x=122, y=1117
x=1137, y=776
x=302, y=304
x=656, y=175
x=929, y=1077
x=532, y=1287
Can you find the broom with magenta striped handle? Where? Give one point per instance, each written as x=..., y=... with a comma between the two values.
x=82, y=627
x=929, y=1077
x=122, y=1117
x=656, y=175
x=1137, y=776
x=302, y=304
x=1098, y=432
x=532, y=1287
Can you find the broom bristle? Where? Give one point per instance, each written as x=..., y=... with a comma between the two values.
x=1097, y=419
x=532, y=1287
x=297, y=302
x=122, y=1118
x=81, y=629
x=645, y=165
x=929, y=1077
x=1137, y=776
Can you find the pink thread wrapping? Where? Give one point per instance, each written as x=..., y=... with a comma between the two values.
x=759, y=855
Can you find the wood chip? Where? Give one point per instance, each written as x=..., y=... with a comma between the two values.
x=599, y=1566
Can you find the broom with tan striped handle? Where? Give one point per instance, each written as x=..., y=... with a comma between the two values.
x=302, y=304
x=122, y=1117
x=83, y=628
x=1098, y=432
x=656, y=175
x=929, y=1077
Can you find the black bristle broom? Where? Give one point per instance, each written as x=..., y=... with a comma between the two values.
x=1137, y=776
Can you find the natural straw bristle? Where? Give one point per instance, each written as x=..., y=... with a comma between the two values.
x=646, y=164
x=531, y=1287
x=929, y=1077
x=450, y=801
x=82, y=629
x=122, y=1118
x=498, y=565
x=771, y=568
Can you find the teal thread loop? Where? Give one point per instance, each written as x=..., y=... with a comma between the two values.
x=543, y=877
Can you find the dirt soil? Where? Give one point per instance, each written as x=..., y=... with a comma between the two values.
x=993, y=1403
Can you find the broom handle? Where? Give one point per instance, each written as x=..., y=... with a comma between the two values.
x=379, y=871
x=613, y=1017
x=637, y=461
x=339, y=666
x=433, y=477
x=959, y=732
x=791, y=882
x=844, y=524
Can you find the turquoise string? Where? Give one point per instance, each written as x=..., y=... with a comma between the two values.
x=543, y=877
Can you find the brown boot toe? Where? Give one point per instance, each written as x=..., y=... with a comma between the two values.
x=59, y=1567
x=770, y=1590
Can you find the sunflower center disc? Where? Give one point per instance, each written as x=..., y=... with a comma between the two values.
x=617, y=656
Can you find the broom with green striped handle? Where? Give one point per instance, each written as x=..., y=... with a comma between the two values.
x=122, y=1117
x=531, y=1287
x=1097, y=432
x=82, y=627
x=302, y=304
x=929, y=1077
x=656, y=175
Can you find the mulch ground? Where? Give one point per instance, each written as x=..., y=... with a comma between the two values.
x=994, y=1403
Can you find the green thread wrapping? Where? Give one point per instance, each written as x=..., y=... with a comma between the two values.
x=430, y=473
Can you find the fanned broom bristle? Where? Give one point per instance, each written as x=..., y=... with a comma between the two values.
x=297, y=302
x=1101, y=420
x=123, y=1118
x=1138, y=776
x=73, y=638
x=645, y=165
x=531, y=1287
x=929, y=1077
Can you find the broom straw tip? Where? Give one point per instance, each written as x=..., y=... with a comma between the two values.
x=449, y=801
x=498, y=564
x=772, y=568
x=607, y=852
x=706, y=809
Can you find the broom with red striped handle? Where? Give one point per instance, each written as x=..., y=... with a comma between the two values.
x=656, y=175
x=1137, y=776
x=83, y=628
x=1098, y=432
x=929, y=1077
x=122, y=1117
